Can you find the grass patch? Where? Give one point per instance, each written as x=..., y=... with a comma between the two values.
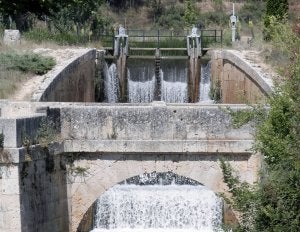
x=28, y=63
x=39, y=35
x=15, y=68
x=9, y=81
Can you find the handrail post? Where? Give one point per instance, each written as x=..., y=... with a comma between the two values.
x=215, y=36
x=221, y=38
x=158, y=38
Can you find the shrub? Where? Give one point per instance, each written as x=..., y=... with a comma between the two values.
x=277, y=9
x=28, y=62
x=274, y=202
x=39, y=35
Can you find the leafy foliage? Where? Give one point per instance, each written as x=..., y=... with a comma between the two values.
x=243, y=196
x=252, y=10
x=26, y=62
x=21, y=11
x=239, y=118
x=215, y=91
x=189, y=12
x=156, y=10
x=40, y=35
x=274, y=202
x=278, y=139
x=47, y=132
x=172, y=18
x=277, y=9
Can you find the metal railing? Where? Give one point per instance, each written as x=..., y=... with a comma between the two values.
x=164, y=39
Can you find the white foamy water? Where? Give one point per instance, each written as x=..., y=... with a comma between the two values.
x=173, y=91
x=158, y=208
x=139, y=91
x=111, y=83
x=205, y=84
x=153, y=230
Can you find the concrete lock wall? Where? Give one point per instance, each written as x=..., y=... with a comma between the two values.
x=71, y=83
x=154, y=128
x=240, y=82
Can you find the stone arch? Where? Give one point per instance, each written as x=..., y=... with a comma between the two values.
x=161, y=178
x=105, y=171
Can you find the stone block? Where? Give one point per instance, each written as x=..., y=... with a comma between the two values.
x=10, y=186
x=11, y=37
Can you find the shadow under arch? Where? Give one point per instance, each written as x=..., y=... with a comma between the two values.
x=153, y=178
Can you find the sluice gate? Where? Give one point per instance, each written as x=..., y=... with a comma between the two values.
x=187, y=49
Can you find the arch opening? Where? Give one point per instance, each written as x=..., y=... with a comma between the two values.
x=155, y=202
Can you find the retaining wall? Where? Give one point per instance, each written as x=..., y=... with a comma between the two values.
x=240, y=81
x=73, y=82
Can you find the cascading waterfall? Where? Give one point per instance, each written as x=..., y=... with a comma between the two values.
x=173, y=91
x=141, y=81
x=174, y=82
x=205, y=84
x=111, y=83
x=139, y=91
x=158, y=208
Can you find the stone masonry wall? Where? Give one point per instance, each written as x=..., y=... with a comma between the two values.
x=156, y=127
x=106, y=170
x=71, y=83
x=43, y=192
x=239, y=81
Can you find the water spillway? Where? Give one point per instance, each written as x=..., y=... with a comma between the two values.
x=111, y=83
x=174, y=81
x=141, y=84
x=141, y=81
x=158, y=207
x=205, y=84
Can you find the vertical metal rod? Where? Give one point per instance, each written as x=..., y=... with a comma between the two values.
x=221, y=38
x=158, y=38
x=215, y=35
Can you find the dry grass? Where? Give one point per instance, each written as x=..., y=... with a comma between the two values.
x=11, y=79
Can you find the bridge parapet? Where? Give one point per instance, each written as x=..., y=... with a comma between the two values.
x=153, y=128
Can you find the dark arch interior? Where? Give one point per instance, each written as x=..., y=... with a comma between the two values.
x=163, y=178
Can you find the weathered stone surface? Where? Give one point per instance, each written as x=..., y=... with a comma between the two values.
x=240, y=81
x=149, y=122
x=11, y=37
x=106, y=170
x=73, y=82
x=43, y=192
x=17, y=130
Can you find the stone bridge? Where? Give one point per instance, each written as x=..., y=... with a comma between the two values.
x=100, y=145
x=51, y=187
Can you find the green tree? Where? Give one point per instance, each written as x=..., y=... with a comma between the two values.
x=21, y=11
x=81, y=12
x=189, y=12
x=156, y=9
x=274, y=202
x=278, y=139
x=277, y=9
